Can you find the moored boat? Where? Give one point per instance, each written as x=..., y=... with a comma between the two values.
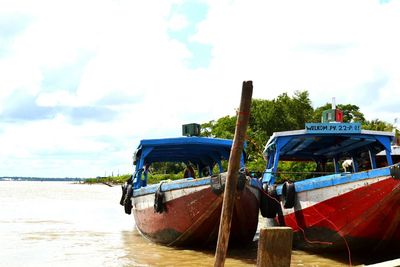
x=186, y=212
x=354, y=208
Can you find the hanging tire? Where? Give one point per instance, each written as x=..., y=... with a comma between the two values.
x=288, y=195
x=123, y=187
x=241, y=183
x=159, y=202
x=128, y=201
x=269, y=204
x=159, y=197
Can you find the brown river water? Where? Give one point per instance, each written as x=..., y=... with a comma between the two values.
x=67, y=224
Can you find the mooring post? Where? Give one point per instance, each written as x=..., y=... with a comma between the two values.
x=275, y=247
x=233, y=171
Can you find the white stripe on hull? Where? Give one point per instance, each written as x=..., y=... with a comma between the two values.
x=147, y=201
x=309, y=198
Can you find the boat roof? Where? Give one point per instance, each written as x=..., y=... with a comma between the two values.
x=196, y=150
x=317, y=144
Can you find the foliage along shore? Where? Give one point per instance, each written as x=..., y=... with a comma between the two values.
x=115, y=180
x=284, y=113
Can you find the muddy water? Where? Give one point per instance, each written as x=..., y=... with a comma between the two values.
x=66, y=224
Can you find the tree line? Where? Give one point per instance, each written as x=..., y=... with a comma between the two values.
x=284, y=113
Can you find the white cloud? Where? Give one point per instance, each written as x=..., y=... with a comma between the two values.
x=56, y=98
x=177, y=22
x=347, y=49
x=332, y=47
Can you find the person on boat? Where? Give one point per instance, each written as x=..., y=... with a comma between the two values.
x=346, y=164
x=189, y=172
x=146, y=167
x=321, y=167
x=206, y=171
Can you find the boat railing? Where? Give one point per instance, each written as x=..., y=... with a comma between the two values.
x=317, y=173
x=323, y=176
x=172, y=185
x=294, y=176
x=339, y=178
x=331, y=179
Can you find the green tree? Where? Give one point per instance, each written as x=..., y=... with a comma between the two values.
x=267, y=116
x=222, y=128
x=377, y=125
x=283, y=113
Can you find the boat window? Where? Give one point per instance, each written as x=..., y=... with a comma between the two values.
x=301, y=170
x=189, y=171
x=216, y=168
x=159, y=171
x=298, y=170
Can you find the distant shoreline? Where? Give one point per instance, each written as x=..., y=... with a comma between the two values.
x=109, y=180
x=42, y=179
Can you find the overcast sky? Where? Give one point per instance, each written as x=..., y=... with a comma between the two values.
x=81, y=82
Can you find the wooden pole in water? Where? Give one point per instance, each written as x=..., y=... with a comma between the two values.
x=275, y=247
x=232, y=176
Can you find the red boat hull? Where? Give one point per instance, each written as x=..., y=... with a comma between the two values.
x=358, y=215
x=192, y=215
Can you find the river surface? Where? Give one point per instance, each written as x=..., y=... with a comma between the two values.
x=68, y=224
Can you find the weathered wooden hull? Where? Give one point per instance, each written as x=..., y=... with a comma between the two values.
x=364, y=214
x=192, y=215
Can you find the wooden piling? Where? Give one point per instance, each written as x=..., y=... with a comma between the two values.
x=232, y=176
x=275, y=247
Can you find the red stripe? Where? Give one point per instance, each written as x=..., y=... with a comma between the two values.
x=370, y=212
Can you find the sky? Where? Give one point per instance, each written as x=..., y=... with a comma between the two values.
x=82, y=82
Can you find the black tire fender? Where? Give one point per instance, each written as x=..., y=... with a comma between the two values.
x=288, y=195
x=269, y=203
x=159, y=198
x=123, y=187
x=128, y=201
x=159, y=202
x=241, y=183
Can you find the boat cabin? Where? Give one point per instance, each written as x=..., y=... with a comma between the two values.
x=202, y=152
x=327, y=142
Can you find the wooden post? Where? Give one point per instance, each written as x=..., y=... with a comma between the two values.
x=232, y=176
x=275, y=247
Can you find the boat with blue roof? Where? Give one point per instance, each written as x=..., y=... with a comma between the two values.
x=334, y=208
x=186, y=212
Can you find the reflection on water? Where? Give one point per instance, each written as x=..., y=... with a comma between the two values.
x=146, y=253
x=65, y=224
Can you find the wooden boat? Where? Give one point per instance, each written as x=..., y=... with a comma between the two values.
x=186, y=212
x=358, y=209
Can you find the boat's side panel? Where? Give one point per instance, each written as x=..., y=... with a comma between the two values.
x=245, y=216
x=192, y=216
x=183, y=207
x=310, y=198
x=359, y=213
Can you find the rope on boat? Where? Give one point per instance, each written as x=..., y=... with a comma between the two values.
x=303, y=231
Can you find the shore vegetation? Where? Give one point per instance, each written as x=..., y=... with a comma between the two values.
x=284, y=113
